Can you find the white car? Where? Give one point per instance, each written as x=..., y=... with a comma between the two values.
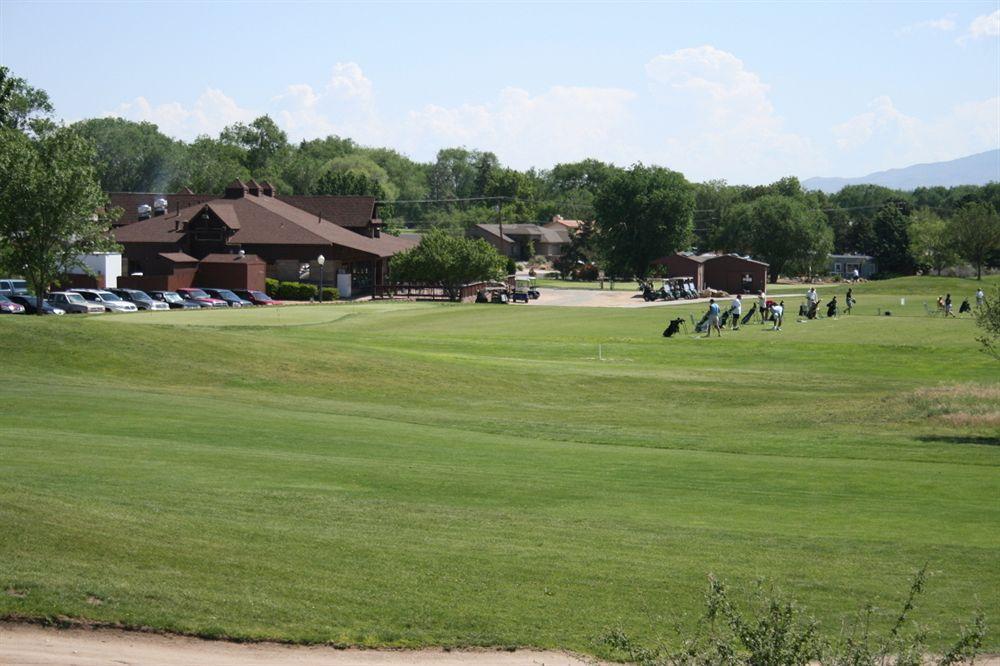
x=111, y=302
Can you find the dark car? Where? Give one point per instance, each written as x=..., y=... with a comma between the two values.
x=174, y=300
x=8, y=306
x=141, y=299
x=200, y=297
x=256, y=297
x=29, y=303
x=231, y=299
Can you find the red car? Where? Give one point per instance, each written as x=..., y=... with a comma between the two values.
x=201, y=298
x=255, y=297
x=8, y=306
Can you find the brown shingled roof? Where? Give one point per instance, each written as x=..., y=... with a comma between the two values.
x=178, y=258
x=345, y=211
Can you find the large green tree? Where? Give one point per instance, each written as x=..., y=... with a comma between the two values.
x=264, y=143
x=207, y=166
x=52, y=208
x=642, y=214
x=975, y=233
x=930, y=243
x=891, y=248
x=781, y=230
x=131, y=157
x=447, y=261
x=22, y=107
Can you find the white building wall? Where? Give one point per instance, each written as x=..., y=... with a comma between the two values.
x=108, y=264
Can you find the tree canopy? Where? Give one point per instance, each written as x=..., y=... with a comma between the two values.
x=642, y=214
x=448, y=261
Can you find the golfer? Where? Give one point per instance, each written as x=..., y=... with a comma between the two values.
x=713, y=319
x=849, y=301
x=980, y=297
x=947, y=306
x=777, y=314
x=736, y=310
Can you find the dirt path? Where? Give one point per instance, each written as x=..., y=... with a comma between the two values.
x=32, y=645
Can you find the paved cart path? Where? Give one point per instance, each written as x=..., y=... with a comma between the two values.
x=32, y=645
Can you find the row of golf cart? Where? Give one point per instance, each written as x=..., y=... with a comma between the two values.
x=671, y=289
x=524, y=290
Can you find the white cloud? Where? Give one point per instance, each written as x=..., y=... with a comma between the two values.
x=886, y=137
x=345, y=105
x=715, y=116
x=982, y=27
x=944, y=24
x=561, y=124
x=212, y=111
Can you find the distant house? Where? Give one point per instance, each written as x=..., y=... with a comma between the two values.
x=844, y=265
x=558, y=222
x=727, y=272
x=283, y=235
x=523, y=241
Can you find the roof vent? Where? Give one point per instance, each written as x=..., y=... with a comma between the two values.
x=236, y=189
x=160, y=206
x=253, y=188
x=267, y=189
x=145, y=211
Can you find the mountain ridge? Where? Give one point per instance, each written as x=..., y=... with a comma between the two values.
x=977, y=169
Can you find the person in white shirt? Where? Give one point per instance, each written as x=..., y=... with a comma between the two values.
x=980, y=297
x=736, y=311
x=855, y=275
x=777, y=314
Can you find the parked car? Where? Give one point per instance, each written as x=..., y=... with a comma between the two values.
x=174, y=301
x=72, y=302
x=111, y=302
x=140, y=298
x=30, y=304
x=8, y=306
x=13, y=286
x=256, y=297
x=199, y=296
x=231, y=299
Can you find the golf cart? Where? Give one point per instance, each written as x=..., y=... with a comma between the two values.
x=524, y=289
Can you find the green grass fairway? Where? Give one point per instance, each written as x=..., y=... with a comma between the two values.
x=434, y=474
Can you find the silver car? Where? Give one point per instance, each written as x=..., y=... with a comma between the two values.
x=111, y=302
x=72, y=302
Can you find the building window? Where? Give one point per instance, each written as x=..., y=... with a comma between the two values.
x=837, y=268
x=208, y=235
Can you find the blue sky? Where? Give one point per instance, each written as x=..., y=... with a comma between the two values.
x=748, y=92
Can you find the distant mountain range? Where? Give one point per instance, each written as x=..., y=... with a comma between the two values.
x=977, y=169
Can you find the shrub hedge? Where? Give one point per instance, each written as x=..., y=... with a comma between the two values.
x=298, y=291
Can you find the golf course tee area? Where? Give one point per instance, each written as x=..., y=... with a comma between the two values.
x=410, y=474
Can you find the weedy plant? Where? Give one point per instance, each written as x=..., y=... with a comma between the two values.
x=774, y=631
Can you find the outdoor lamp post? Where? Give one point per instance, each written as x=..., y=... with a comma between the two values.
x=321, y=260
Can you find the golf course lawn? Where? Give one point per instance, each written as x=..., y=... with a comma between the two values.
x=436, y=474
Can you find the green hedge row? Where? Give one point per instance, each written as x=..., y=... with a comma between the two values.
x=298, y=291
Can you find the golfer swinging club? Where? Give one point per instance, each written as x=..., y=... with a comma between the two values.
x=713, y=319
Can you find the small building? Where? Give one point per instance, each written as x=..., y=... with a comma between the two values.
x=559, y=222
x=523, y=241
x=735, y=274
x=99, y=270
x=844, y=265
x=726, y=272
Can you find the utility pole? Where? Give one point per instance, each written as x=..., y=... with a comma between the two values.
x=503, y=247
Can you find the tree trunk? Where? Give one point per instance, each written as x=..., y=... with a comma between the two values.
x=979, y=271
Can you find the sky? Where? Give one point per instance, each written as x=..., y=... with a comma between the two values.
x=747, y=92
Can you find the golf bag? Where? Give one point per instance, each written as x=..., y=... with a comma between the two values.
x=702, y=324
x=812, y=310
x=964, y=307
x=749, y=315
x=725, y=317
x=831, y=309
x=673, y=327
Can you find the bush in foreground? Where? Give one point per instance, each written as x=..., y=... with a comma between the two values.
x=773, y=631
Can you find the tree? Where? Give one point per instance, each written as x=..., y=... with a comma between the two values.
x=207, y=166
x=892, y=239
x=580, y=252
x=518, y=188
x=448, y=261
x=262, y=140
x=642, y=214
x=988, y=319
x=22, y=108
x=52, y=208
x=930, y=244
x=975, y=232
x=785, y=232
x=131, y=157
